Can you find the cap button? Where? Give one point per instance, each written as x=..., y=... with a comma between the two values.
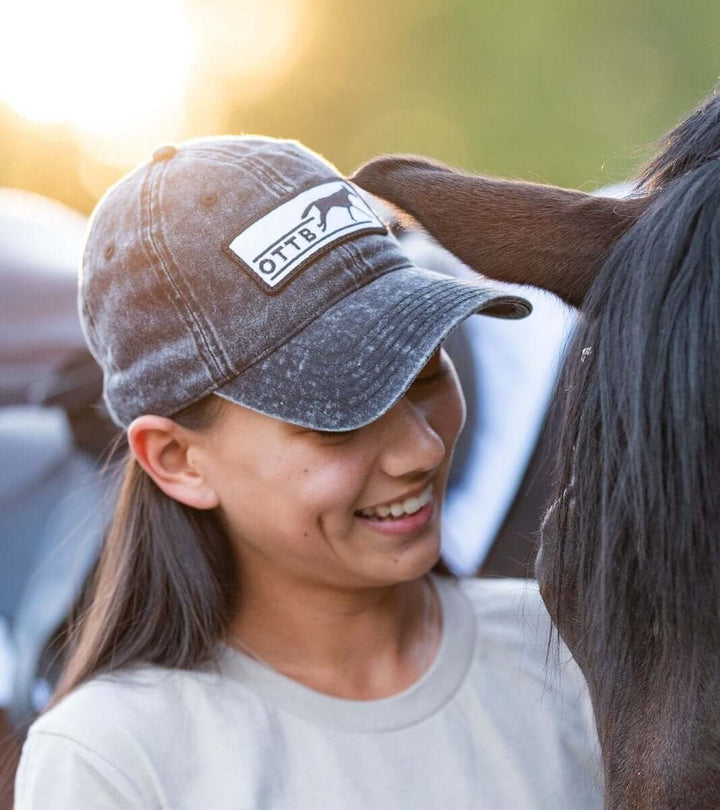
x=164, y=153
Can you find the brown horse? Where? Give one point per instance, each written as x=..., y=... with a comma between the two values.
x=629, y=562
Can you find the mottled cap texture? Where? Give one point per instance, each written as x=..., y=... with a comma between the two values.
x=250, y=268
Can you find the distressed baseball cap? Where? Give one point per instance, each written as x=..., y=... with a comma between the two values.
x=249, y=267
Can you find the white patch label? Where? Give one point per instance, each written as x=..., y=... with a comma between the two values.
x=287, y=238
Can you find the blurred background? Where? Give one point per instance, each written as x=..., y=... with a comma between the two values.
x=557, y=91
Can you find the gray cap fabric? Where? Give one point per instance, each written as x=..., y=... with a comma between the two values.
x=249, y=267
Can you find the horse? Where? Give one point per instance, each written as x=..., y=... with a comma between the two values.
x=629, y=553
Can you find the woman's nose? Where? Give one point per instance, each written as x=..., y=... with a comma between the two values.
x=411, y=444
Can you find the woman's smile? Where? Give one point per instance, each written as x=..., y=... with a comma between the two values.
x=411, y=513
x=405, y=524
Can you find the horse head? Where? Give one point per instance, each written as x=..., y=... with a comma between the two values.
x=630, y=560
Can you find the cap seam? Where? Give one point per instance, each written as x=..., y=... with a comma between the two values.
x=268, y=172
x=211, y=156
x=259, y=157
x=177, y=280
x=449, y=292
x=356, y=256
x=156, y=261
x=390, y=363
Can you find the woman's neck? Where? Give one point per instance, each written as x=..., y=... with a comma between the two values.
x=357, y=644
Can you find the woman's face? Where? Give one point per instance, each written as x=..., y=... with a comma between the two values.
x=353, y=509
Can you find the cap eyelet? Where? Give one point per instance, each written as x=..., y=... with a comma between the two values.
x=110, y=251
x=164, y=153
x=209, y=199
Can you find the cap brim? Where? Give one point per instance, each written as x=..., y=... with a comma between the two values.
x=356, y=360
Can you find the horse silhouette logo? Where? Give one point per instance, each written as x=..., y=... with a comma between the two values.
x=342, y=198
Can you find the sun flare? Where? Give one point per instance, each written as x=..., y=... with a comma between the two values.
x=120, y=73
x=99, y=66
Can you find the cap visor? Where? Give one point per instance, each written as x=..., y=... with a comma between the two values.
x=356, y=360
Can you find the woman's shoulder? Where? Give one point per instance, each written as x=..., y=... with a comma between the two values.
x=513, y=605
x=511, y=616
x=130, y=707
x=515, y=635
x=127, y=692
x=122, y=728
x=514, y=631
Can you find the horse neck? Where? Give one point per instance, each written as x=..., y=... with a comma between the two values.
x=663, y=754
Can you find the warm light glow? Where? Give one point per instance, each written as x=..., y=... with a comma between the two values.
x=119, y=73
x=248, y=44
x=103, y=67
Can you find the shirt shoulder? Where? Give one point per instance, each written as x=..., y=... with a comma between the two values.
x=117, y=731
x=510, y=607
x=110, y=702
x=516, y=634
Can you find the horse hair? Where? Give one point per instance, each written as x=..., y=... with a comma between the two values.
x=631, y=558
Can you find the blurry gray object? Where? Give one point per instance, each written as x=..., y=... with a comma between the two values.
x=52, y=523
x=40, y=251
x=52, y=518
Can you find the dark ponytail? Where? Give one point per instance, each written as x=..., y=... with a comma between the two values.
x=164, y=585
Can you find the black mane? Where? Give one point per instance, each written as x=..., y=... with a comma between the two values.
x=631, y=549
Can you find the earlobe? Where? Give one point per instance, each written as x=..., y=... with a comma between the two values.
x=167, y=453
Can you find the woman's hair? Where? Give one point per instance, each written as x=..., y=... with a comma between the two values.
x=633, y=558
x=163, y=588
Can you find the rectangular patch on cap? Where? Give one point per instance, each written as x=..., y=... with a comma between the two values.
x=287, y=239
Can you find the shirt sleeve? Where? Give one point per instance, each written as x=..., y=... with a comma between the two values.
x=59, y=772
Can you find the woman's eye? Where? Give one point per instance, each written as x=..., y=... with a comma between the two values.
x=431, y=378
x=334, y=434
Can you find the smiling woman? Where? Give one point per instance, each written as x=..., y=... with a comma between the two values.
x=264, y=624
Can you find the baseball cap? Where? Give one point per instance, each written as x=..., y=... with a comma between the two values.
x=249, y=267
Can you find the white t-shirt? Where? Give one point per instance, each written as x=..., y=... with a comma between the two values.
x=488, y=726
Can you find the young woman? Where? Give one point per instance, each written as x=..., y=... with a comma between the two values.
x=263, y=630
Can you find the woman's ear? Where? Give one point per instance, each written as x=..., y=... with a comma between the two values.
x=169, y=454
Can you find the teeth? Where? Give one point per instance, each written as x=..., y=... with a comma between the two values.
x=412, y=505
x=407, y=507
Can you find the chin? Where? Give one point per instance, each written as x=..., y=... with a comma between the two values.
x=411, y=561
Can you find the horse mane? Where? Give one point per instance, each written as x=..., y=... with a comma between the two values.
x=631, y=546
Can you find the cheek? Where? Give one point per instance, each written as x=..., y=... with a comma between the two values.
x=293, y=495
x=330, y=489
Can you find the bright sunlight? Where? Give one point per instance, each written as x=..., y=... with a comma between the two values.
x=99, y=66
x=119, y=73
